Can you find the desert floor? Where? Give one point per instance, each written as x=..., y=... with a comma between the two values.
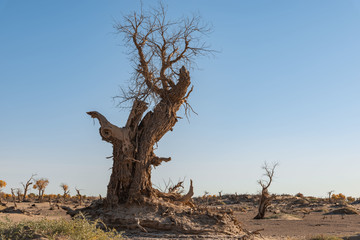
x=287, y=218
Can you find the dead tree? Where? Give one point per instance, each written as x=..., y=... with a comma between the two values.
x=78, y=194
x=329, y=195
x=161, y=50
x=13, y=197
x=19, y=193
x=66, y=190
x=27, y=185
x=265, y=198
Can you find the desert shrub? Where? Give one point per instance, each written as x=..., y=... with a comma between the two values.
x=31, y=195
x=7, y=196
x=338, y=197
x=79, y=228
x=2, y=184
x=350, y=199
x=299, y=195
x=66, y=190
x=40, y=185
x=51, y=196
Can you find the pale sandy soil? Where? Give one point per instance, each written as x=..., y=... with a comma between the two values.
x=30, y=212
x=296, y=226
x=285, y=221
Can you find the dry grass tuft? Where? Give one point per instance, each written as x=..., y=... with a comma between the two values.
x=78, y=229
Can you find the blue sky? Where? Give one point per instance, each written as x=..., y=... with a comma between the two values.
x=284, y=88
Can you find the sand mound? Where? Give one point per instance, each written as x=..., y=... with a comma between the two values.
x=342, y=211
x=165, y=217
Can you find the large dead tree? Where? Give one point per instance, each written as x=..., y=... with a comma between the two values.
x=265, y=198
x=161, y=50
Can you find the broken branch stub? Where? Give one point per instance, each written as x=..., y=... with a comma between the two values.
x=186, y=198
x=176, y=197
x=108, y=131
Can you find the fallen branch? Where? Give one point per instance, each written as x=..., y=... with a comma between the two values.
x=139, y=226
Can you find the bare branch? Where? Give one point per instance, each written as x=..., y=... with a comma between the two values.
x=159, y=48
x=139, y=107
x=108, y=131
x=27, y=185
x=269, y=173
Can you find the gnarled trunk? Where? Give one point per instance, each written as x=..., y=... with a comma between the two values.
x=133, y=154
x=264, y=202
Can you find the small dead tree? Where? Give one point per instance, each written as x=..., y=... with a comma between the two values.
x=27, y=185
x=13, y=197
x=78, y=194
x=329, y=195
x=40, y=185
x=265, y=198
x=19, y=194
x=65, y=189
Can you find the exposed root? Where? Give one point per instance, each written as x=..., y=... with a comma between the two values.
x=158, y=215
x=252, y=234
x=176, y=197
x=139, y=226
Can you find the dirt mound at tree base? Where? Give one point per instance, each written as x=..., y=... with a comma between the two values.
x=343, y=211
x=161, y=216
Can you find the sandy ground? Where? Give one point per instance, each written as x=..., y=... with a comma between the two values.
x=300, y=226
x=284, y=220
x=32, y=211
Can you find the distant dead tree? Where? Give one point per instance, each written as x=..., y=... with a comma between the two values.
x=65, y=189
x=206, y=193
x=329, y=195
x=13, y=197
x=162, y=51
x=27, y=185
x=19, y=193
x=265, y=198
x=40, y=185
x=78, y=194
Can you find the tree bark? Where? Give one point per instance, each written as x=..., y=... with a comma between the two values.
x=265, y=201
x=25, y=193
x=133, y=152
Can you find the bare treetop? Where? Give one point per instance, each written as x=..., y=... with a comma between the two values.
x=269, y=173
x=159, y=48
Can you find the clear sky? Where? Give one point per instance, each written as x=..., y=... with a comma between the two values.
x=284, y=88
